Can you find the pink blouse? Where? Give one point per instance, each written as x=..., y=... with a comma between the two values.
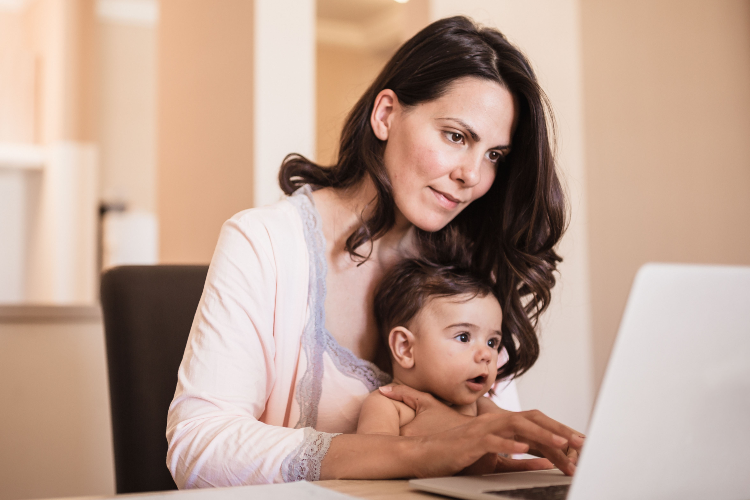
x=263, y=386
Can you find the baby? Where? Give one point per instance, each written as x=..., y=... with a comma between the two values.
x=442, y=327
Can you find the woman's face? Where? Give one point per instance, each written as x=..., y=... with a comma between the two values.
x=443, y=154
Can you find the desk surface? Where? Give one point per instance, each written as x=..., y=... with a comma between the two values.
x=376, y=490
x=365, y=489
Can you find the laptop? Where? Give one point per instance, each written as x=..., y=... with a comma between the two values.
x=672, y=419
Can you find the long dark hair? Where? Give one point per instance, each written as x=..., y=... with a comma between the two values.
x=509, y=233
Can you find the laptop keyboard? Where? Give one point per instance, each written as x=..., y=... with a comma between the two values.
x=558, y=492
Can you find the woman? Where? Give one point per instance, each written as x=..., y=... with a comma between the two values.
x=446, y=157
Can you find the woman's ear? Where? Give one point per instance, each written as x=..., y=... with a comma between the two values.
x=401, y=342
x=386, y=103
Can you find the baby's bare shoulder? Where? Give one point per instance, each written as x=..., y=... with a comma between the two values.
x=378, y=415
x=405, y=413
x=377, y=399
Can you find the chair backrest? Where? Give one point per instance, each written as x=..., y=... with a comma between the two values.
x=148, y=311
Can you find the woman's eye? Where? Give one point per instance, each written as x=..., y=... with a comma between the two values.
x=463, y=337
x=455, y=137
x=495, y=156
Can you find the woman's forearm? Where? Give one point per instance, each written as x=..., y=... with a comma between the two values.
x=368, y=456
x=371, y=456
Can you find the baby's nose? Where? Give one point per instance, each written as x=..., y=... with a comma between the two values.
x=484, y=354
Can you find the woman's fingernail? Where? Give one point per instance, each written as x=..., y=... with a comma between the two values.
x=386, y=388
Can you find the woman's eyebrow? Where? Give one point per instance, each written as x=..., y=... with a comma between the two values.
x=471, y=131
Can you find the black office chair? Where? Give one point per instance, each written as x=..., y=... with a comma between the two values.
x=148, y=311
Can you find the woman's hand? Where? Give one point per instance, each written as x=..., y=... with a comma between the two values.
x=432, y=416
x=560, y=444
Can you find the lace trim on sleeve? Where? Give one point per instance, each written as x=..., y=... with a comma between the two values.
x=303, y=464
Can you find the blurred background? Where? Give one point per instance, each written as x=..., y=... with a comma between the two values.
x=131, y=129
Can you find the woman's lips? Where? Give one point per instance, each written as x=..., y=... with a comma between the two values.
x=445, y=200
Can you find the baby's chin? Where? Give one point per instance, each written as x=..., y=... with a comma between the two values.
x=463, y=395
x=460, y=399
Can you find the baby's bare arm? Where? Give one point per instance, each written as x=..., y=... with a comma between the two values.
x=378, y=416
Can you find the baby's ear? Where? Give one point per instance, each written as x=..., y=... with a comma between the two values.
x=401, y=342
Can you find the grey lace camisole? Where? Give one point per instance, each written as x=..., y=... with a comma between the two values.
x=304, y=462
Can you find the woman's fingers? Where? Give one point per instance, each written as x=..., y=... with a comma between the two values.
x=575, y=439
x=497, y=444
x=559, y=457
x=520, y=428
x=414, y=399
x=463, y=446
x=513, y=465
x=573, y=455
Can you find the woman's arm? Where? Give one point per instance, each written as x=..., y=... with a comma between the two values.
x=529, y=425
x=356, y=456
x=227, y=373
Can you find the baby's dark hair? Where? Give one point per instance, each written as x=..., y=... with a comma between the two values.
x=406, y=289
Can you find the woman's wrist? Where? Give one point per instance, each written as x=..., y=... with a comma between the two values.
x=412, y=453
x=373, y=456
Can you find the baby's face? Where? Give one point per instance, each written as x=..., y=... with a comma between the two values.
x=456, y=347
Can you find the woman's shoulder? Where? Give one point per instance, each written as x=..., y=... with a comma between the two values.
x=281, y=211
x=278, y=221
x=286, y=214
x=273, y=234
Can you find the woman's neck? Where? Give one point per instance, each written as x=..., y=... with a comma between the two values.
x=343, y=211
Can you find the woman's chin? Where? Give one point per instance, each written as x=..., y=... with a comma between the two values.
x=430, y=222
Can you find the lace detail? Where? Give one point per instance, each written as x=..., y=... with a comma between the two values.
x=316, y=339
x=355, y=367
x=303, y=464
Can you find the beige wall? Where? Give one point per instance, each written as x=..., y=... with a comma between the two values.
x=205, y=110
x=17, y=75
x=283, y=88
x=127, y=113
x=343, y=74
x=57, y=36
x=667, y=114
x=51, y=219
x=55, y=437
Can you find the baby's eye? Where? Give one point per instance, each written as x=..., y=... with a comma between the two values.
x=494, y=344
x=455, y=137
x=463, y=337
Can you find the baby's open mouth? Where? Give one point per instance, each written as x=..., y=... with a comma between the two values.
x=481, y=379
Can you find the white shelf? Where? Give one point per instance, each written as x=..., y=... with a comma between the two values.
x=21, y=156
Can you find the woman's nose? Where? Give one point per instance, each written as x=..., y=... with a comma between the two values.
x=468, y=174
